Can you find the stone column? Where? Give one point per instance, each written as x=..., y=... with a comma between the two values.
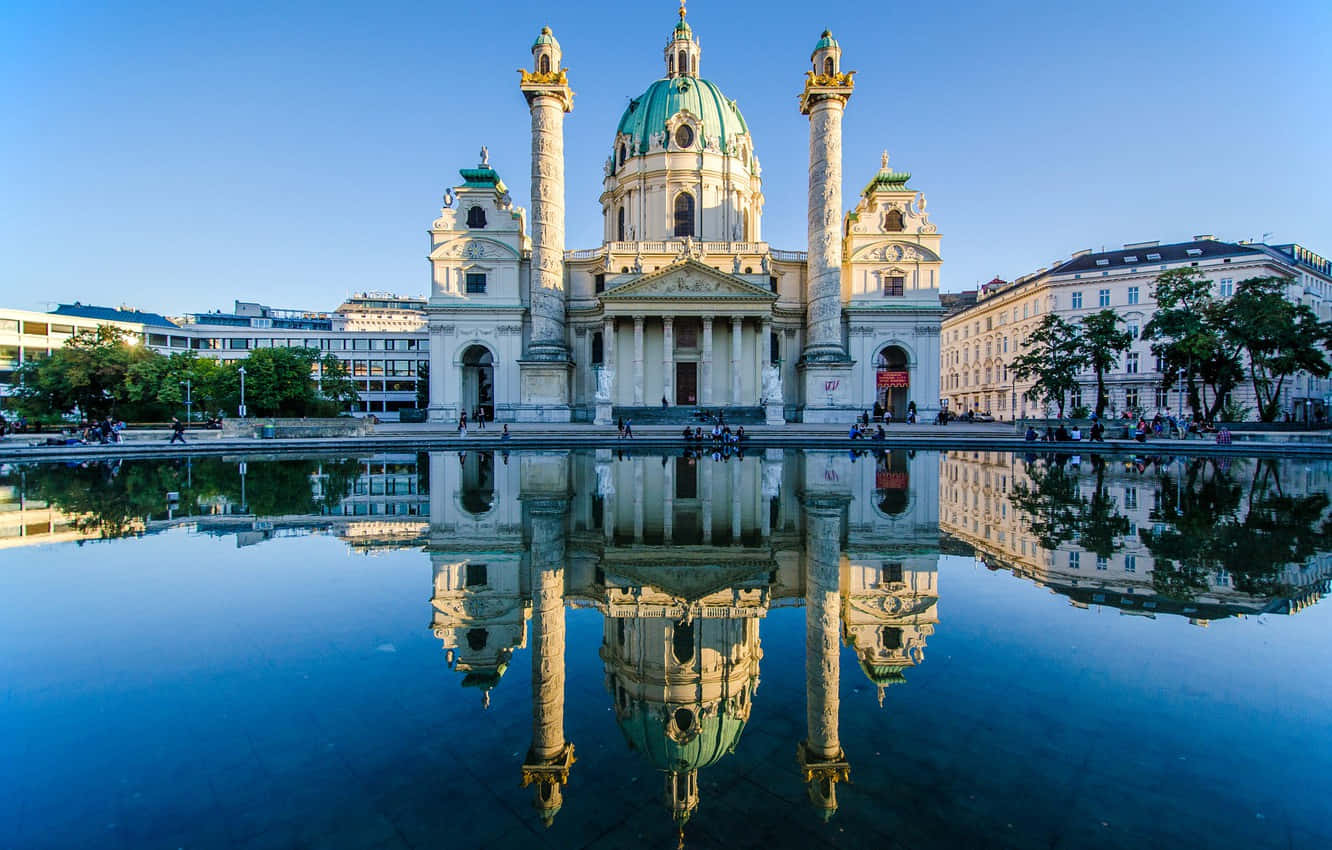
x=438, y=411
x=668, y=358
x=638, y=360
x=605, y=404
x=822, y=761
x=550, y=756
x=668, y=500
x=737, y=353
x=705, y=364
x=824, y=361
x=638, y=500
x=544, y=389
x=706, y=499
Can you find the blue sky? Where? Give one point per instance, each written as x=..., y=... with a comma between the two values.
x=177, y=155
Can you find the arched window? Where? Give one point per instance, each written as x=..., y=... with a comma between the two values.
x=749, y=237
x=598, y=350
x=828, y=66
x=619, y=225
x=684, y=214
x=774, y=348
x=624, y=153
x=476, y=217
x=543, y=65
x=695, y=66
x=684, y=62
x=682, y=641
x=670, y=65
x=892, y=222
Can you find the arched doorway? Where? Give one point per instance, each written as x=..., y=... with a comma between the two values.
x=478, y=381
x=892, y=483
x=477, y=493
x=892, y=380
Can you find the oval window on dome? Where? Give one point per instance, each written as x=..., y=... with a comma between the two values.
x=684, y=136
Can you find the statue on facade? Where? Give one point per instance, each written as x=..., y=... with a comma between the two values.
x=763, y=263
x=772, y=384
x=735, y=265
x=448, y=198
x=606, y=262
x=605, y=384
x=485, y=157
x=638, y=263
x=605, y=479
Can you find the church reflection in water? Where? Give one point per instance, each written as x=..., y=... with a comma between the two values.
x=684, y=558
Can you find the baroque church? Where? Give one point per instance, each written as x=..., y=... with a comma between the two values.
x=683, y=305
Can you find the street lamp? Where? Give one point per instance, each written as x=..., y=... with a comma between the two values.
x=241, y=412
x=189, y=401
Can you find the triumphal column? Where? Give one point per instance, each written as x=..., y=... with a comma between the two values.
x=825, y=367
x=544, y=372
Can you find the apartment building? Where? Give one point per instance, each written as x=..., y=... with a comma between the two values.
x=980, y=341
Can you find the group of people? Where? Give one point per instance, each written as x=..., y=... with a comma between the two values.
x=887, y=414
x=18, y=426
x=479, y=417
x=721, y=434
x=861, y=431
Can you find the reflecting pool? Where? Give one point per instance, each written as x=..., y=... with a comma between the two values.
x=605, y=649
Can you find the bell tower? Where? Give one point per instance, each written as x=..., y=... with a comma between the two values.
x=682, y=51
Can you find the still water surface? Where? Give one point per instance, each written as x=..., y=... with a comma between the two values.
x=790, y=649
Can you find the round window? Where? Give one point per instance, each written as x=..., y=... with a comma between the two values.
x=684, y=136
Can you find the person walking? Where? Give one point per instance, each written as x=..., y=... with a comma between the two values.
x=628, y=429
x=177, y=431
x=504, y=435
x=619, y=425
x=462, y=425
x=480, y=419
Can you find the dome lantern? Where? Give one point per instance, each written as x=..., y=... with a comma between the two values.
x=827, y=56
x=682, y=51
x=546, y=53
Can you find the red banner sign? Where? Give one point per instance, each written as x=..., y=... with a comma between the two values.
x=888, y=380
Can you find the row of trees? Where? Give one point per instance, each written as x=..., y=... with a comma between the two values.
x=103, y=372
x=1213, y=343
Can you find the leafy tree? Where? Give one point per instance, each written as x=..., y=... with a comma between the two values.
x=1055, y=510
x=1053, y=357
x=423, y=387
x=1102, y=342
x=281, y=382
x=1188, y=333
x=157, y=385
x=1278, y=336
x=88, y=373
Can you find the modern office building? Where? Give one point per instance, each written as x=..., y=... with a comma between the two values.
x=980, y=341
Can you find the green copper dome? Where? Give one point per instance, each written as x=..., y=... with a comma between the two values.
x=826, y=40
x=645, y=730
x=647, y=114
x=546, y=37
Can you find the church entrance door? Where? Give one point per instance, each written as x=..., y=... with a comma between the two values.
x=686, y=383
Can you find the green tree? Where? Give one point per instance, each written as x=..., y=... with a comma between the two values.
x=1278, y=337
x=282, y=382
x=1188, y=333
x=335, y=382
x=1102, y=342
x=423, y=387
x=1052, y=355
x=88, y=374
x=157, y=386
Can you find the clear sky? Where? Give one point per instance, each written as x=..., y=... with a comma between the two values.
x=177, y=155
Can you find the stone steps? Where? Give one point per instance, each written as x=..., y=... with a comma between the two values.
x=687, y=415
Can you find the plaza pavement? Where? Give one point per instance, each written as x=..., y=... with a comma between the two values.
x=400, y=437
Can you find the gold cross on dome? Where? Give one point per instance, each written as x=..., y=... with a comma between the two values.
x=682, y=10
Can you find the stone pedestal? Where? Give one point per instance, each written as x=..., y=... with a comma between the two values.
x=773, y=413
x=543, y=391
x=827, y=392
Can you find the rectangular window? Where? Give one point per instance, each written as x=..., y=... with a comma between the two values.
x=360, y=368
x=891, y=573
x=1131, y=498
x=35, y=328
x=1162, y=397
x=1131, y=363
x=360, y=345
x=1103, y=298
x=1102, y=562
x=599, y=283
x=156, y=339
x=1131, y=563
x=476, y=283
x=894, y=285
x=238, y=344
x=1131, y=398
x=1226, y=287
x=62, y=329
x=1133, y=330
x=476, y=575
x=1133, y=295
x=377, y=368
x=1075, y=398
x=1026, y=310
x=1077, y=301
x=1074, y=560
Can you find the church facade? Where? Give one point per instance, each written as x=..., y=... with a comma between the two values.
x=683, y=304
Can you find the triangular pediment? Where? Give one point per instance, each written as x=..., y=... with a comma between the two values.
x=689, y=280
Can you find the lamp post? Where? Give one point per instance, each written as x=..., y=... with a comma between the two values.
x=189, y=400
x=241, y=412
x=1013, y=399
x=1179, y=418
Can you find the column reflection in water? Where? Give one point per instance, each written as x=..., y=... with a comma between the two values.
x=680, y=647
x=545, y=495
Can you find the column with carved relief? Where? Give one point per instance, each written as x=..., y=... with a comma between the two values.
x=545, y=370
x=824, y=363
x=705, y=364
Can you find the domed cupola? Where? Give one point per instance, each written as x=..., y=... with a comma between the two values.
x=682, y=51
x=682, y=163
